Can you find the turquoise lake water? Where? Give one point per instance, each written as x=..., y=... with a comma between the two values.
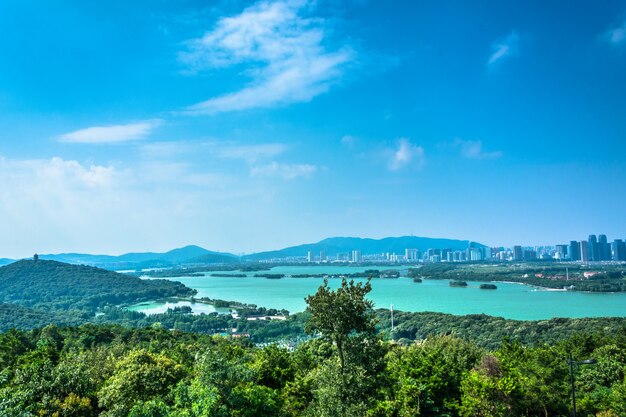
x=514, y=301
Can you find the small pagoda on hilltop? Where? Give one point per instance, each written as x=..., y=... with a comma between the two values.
x=35, y=257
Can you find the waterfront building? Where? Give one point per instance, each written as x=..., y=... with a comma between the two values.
x=518, y=253
x=530, y=255
x=584, y=251
x=619, y=250
x=410, y=255
x=604, y=249
x=356, y=256
x=310, y=257
x=561, y=252
x=475, y=254
x=574, y=250
x=322, y=256
x=593, y=248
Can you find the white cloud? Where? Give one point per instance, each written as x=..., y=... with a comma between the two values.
x=473, y=149
x=617, y=36
x=291, y=62
x=503, y=48
x=405, y=154
x=56, y=172
x=285, y=171
x=112, y=133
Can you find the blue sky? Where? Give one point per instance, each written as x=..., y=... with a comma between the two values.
x=243, y=126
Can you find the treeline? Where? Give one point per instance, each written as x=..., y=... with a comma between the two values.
x=198, y=271
x=605, y=278
x=114, y=371
x=489, y=331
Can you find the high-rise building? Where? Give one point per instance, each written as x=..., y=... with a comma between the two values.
x=584, y=251
x=322, y=256
x=410, y=255
x=310, y=257
x=561, y=252
x=476, y=254
x=619, y=250
x=593, y=248
x=518, y=253
x=356, y=256
x=604, y=249
x=530, y=255
x=574, y=250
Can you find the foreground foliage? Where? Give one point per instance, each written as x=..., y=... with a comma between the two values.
x=349, y=371
x=113, y=371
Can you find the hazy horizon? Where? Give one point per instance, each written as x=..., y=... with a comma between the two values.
x=252, y=126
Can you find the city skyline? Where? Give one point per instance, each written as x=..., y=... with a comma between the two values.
x=247, y=126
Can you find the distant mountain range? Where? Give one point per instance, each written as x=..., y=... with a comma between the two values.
x=190, y=255
x=187, y=255
x=342, y=245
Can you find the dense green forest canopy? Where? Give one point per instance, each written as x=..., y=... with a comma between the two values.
x=55, y=285
x=113, y=371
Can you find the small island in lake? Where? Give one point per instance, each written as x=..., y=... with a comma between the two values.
x=270, y=276
x=455, y=283
x=488, y=287
x=418, y=280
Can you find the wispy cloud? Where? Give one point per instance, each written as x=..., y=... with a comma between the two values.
x=291, y=62
x=473, y=149
x=112, y=133
x=617, y=35
x=405, y=154
x=285, y=171
x=503, y=48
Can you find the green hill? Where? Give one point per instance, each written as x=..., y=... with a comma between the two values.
x=58, y=286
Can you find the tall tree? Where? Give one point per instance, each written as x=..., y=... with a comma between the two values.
x=340, y=314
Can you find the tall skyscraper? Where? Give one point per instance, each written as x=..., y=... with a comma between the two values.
x=518, y=253
x=322, y=256
x=604, y=249
x=593, y=248
x=310, y=257
x=574, y=250
x=619, y=250
x=584, y=251
x=356, y=256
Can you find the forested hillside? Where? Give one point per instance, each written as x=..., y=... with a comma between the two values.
x=55, y=284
